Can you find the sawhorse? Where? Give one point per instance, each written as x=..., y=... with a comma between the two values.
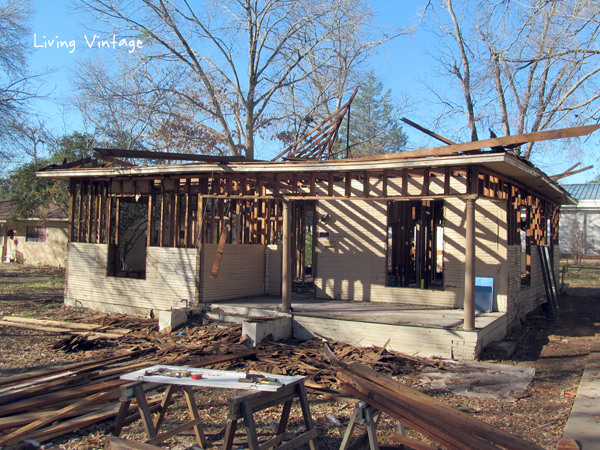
x=245, y=405
x=363, y=415
x=136, y=390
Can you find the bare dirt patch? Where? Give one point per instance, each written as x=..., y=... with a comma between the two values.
x=556, y=347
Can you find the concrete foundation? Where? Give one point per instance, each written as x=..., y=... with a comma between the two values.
x=110, y=308
x=279, y=328
x=175, y=318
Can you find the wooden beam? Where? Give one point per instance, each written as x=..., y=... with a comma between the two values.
x=114, y=160
x=469, y=302
x=72, y=196
x=330, y=184
x=188, y=215
x=286, y=264
x=220, y=249
x=515, y=140
x=384, y=186
x=427, y=132
x=348, y=176
x=145, y=154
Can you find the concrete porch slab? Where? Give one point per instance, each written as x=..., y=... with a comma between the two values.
x=410, y=329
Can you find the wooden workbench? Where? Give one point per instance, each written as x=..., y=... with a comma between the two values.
x=241, y=407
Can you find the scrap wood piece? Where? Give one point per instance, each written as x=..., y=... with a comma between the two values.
x=86, y=420
x=60, y=330
x=216, y=359
x=441, y=411
x=49, y=386
x=115, y=443
x=19, y=420
x=54, y=397
x=222, y=241
x=82, y=366
x=408, y=442
x=75, y=325
x=21, y=434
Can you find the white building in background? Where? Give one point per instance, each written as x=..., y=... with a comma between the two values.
x=580, y=224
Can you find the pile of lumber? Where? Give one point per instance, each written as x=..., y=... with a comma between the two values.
x=89, y=331
x=45, y=404
x=433, y=419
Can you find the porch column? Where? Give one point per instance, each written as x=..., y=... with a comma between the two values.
x=286, y=260
x=469, y=304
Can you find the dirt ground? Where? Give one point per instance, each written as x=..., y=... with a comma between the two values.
x=556, y=347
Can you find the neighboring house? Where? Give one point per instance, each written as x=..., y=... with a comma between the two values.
x=33, y=241
x=414, y=229
x=580, y=223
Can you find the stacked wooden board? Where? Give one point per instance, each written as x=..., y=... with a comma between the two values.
x=433, y=419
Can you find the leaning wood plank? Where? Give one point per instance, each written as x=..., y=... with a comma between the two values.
x=408, y=442
x=49, y=399
x=21, y=433
x=58, y=330
x=445, y=412
x=216, y=359
x=416, y=419
x=515, y=140
x=222, y=241
x=440, y=410
x=70, y=325
x=115, y=443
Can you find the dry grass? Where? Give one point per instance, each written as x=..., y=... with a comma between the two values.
x=585, y=274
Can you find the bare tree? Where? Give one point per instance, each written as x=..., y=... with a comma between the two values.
x=235, y=55
x=336, y=68
x=18, y=87
x=521, y=66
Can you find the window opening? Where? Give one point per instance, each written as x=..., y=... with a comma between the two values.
x=127, y=248
x=415, y=244
x=525, y=247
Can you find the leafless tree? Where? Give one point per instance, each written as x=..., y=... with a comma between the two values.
x=30, y=138
x=18, y=87
x=336, y=68
x=521, y=66
x=234, y=56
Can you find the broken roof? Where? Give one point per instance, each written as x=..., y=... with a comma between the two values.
x=500, y=160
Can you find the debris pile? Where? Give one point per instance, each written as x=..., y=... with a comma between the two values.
x=43, y=405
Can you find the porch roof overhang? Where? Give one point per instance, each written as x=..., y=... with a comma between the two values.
x=503, y=163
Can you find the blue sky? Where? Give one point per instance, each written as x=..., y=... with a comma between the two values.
x=401, y=65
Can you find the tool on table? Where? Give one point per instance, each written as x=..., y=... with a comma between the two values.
x=259, y=378
x=161, y=371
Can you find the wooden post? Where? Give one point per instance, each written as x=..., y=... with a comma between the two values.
x=72, y=196
x=469, y=304
x=151, y=213
x=286, y=266
x=117, y=218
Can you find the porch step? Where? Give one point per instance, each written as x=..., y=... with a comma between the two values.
x=236, y=314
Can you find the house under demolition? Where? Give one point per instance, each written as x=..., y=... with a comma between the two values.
x=395, y=244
